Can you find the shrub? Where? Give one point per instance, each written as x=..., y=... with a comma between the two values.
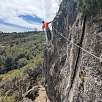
x=7, y=99
x=9, y=62
x=22, y=62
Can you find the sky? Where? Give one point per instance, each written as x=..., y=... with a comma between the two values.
x=26, y=15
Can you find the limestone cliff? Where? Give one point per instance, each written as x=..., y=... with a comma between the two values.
x=71, y=73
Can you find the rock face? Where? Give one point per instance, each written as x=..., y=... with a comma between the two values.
x=73, y=74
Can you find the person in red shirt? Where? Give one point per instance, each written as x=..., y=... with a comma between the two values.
x=46, y=28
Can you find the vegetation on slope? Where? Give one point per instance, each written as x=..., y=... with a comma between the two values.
x=20, y=53
x=19, y=49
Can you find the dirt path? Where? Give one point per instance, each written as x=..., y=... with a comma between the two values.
x=42, y=96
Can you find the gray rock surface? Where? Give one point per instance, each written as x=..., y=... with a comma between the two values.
x=71, y=74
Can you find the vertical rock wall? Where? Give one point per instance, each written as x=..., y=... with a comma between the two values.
x=73, y=75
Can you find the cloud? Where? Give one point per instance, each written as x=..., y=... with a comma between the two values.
x=31, y=19
x=26, y=13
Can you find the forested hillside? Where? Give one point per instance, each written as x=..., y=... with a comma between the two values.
x=19, y=49
x=21, y=58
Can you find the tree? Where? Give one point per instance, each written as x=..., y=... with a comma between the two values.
x=22, y=62
x=9, y=62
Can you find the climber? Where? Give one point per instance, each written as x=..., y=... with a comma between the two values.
x=45, y=28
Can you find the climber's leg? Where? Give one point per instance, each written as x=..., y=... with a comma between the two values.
x=48, y=34
x=46, y=37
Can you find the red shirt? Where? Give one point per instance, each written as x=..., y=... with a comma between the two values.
x=45, y=25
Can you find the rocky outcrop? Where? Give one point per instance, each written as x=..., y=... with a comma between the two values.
x=73, y=74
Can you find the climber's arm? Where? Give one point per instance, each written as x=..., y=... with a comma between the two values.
x=49, y=22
